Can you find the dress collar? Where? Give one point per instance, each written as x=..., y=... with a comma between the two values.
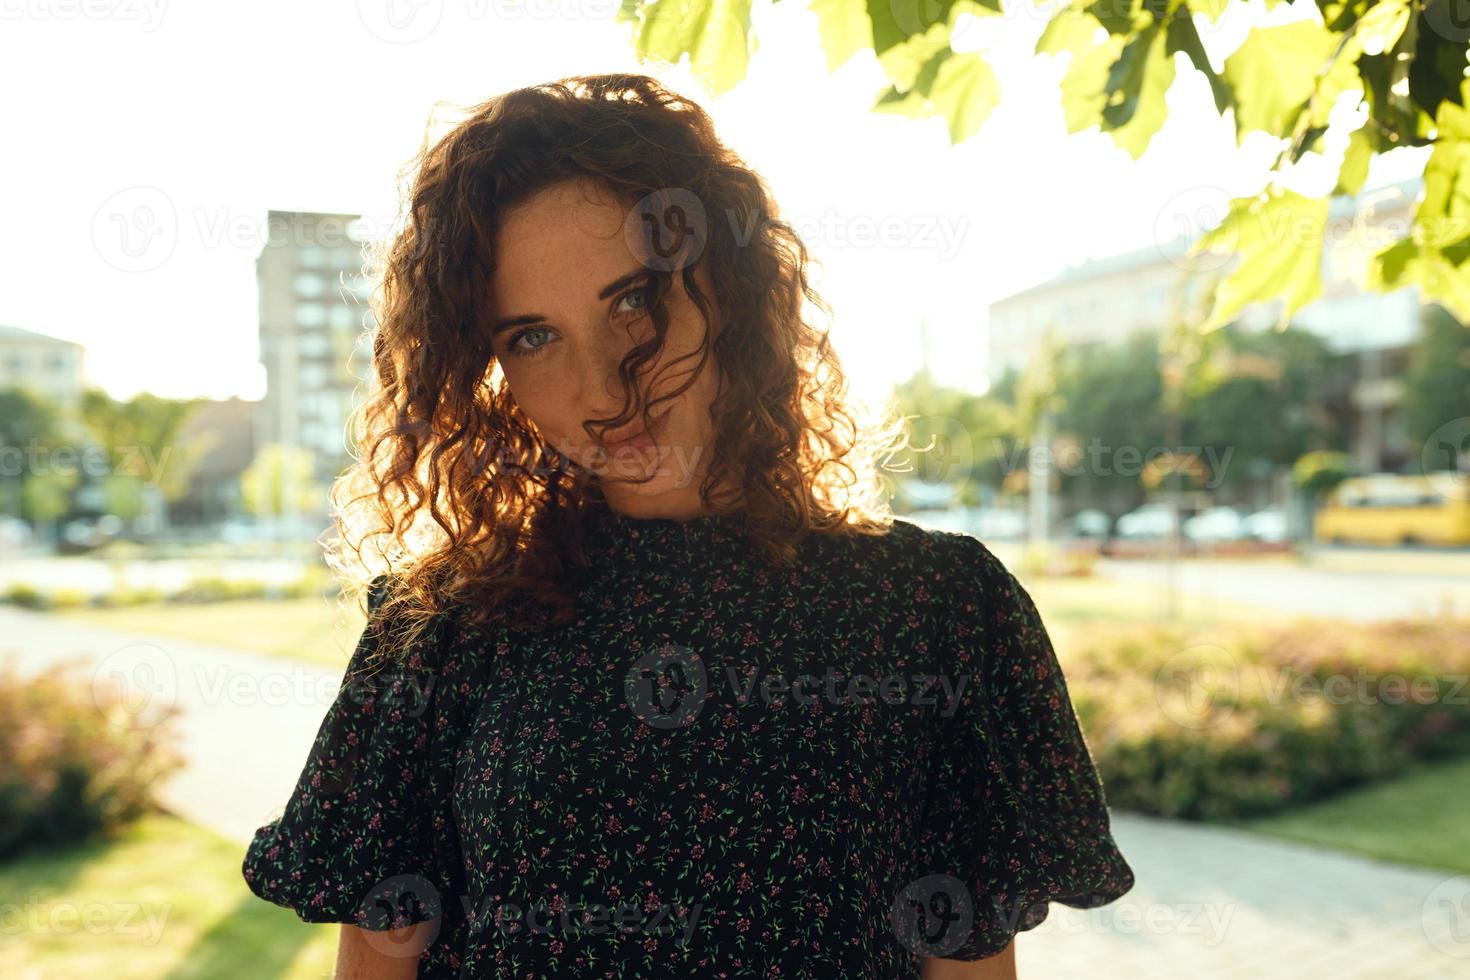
x=665, y=539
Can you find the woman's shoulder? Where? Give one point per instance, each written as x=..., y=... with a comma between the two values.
x=912, y=573
x=930, y=554
x=430, y=642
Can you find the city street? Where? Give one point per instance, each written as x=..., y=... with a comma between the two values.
x=1361, y=594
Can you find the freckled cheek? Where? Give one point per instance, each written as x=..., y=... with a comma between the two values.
x=552, y=418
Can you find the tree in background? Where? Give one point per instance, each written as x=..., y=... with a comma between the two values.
x=1317, y=473
x=1437, y=383
x=280, y=483
x=36, y=483
x=1256, y=394
x=972, y=436
x=139, y=439
x=1111, y=404
x=1399, y=64
x=1249, y=407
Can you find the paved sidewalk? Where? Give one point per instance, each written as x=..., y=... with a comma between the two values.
x=1304, y=590
x=246, y=720
x=1209, y=903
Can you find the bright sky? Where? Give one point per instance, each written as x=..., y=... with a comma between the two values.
x=201, y=116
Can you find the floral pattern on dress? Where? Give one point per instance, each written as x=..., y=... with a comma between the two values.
x=719, y=768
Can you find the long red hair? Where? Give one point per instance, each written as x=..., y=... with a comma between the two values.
x=452, y=496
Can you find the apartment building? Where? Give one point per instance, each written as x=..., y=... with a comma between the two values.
x=1107, y=300
x=314, y=323
x=48, y=366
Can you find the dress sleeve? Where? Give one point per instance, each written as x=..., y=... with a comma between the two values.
x=1015, y=816
x=367, y=836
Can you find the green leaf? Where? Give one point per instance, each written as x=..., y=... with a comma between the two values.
x=1184, y=37
x=1119, y=16
x=714, y=33
x=1399, y=121
x=965, y=92
x=1443, y=215
x=1439, y=280
x=1125, y=77
x=962, y=88
x=1084, y=86
x=1278, y=237
x=1438, y=65
x=1212, y=9
x=844, y=29
x=1070, y=30
x=903, y=63
x=1354, y=170
x=1137, y=83
x=1274, y=72
x=1380, y=27
x=1391, y=266
x=896, y=21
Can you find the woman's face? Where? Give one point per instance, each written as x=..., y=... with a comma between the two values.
x=568, y=301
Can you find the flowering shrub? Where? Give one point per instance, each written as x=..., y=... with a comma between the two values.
x=75, y=760
x=1265, y=718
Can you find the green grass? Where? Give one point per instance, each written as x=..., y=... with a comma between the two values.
x=309, y=630
x=1417, y=819
x=317, y=631
x=164, y=900
x=1075, y=609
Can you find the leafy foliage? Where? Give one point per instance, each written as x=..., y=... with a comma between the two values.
x=77, y=756
x=1402, y=61
x=1437, y=383
x=1270, y=718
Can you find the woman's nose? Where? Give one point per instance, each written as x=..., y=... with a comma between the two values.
x=601, y=388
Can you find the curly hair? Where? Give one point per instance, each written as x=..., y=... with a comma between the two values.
x=452, y=495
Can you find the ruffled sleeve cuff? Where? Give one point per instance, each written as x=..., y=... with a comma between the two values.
x=1015, y=814
x=367, y=835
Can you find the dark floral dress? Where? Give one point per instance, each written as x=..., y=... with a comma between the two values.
x=721, y=768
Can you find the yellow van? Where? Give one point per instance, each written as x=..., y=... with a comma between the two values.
x=1390, y=508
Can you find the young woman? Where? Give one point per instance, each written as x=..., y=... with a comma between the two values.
x=651, y=685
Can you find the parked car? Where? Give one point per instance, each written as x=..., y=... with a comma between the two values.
x=1397, y=509
x=1215, y=524
x=1086, y=524
x=956, y=519
x=1152, y=520
x=1000, y=524
x=1267, y=525
x=86, y=533
x=14, y=532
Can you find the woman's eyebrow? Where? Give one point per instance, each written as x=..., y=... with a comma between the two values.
x=526, y=319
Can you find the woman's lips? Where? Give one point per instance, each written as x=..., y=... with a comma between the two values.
x=643, y=440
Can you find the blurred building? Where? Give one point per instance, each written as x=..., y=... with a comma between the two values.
x=48, y=366
x=1106, y=300
x=313, y=322
x=226, y=430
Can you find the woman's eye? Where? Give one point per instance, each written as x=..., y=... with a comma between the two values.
x=643, y=294
x=527, y=351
